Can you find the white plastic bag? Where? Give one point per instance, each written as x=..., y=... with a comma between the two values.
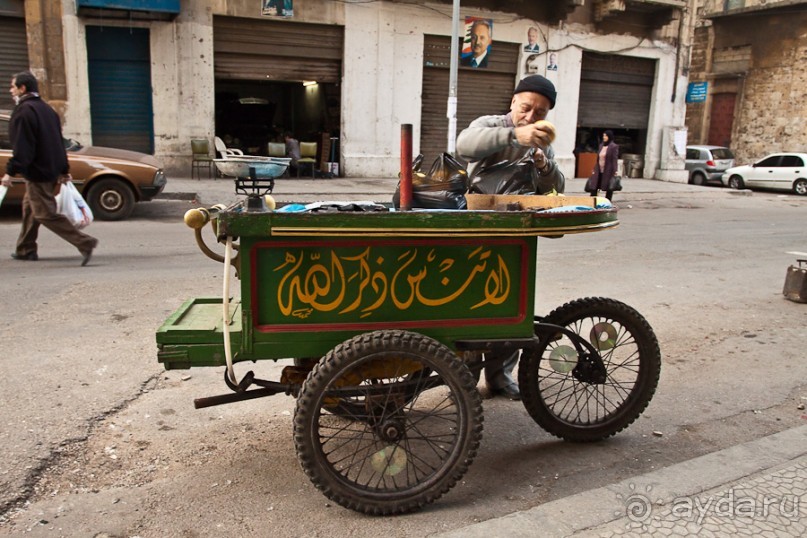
x=3, y=191
x=72, y=205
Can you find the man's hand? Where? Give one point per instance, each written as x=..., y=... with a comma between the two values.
x=64, y=178
x=6, y=181
x=534, y=136
x=539, y=158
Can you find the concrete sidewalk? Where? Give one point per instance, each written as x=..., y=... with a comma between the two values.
x=222, y=190
x=757, y=488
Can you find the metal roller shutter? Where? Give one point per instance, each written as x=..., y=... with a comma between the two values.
x=615, y=91
x=119, y=73
x=13, y=54
x=255, y=49
x=479, y=91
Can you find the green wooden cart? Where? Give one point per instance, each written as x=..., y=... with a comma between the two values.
x=386, y=319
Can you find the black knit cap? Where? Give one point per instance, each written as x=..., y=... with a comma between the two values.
x=540, y=85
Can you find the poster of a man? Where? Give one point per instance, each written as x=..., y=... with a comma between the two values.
x=477, y=44
x=277, y=8
x=552, y=64
x=532, y=40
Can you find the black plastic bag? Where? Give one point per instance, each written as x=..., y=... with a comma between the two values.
x=591, y=183
x=512, y=177
x=443, y=187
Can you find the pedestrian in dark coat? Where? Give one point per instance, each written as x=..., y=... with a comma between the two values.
x=39, y=156
x=602, y=177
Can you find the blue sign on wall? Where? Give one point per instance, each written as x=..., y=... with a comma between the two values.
x=696, y=92
x=165, y=6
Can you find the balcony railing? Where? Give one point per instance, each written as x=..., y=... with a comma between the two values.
x=725, y=8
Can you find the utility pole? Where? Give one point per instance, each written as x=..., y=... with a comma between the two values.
x=451, y=109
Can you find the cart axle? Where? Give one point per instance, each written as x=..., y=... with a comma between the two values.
x=240, y=392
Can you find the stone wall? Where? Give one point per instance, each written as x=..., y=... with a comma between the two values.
x=773, y=96
x=761, y=58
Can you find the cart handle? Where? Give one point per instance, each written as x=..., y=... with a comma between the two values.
x=197, y=218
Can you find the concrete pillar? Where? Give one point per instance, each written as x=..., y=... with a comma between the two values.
x=673, y=155
x=43, y=20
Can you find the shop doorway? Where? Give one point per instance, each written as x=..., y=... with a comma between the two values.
x=615, y=93
x=722, y=119
x=119, y=73
x=278, y=76
x=479, y=91
x=250, y=114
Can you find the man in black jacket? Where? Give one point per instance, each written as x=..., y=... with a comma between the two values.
x=39, y=156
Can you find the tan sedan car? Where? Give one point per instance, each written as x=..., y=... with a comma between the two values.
x=111, y=180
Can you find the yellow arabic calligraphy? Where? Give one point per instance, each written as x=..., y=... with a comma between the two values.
x=325, y=281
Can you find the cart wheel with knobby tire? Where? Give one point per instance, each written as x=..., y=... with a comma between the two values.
x=414, y=425
x=580, y=399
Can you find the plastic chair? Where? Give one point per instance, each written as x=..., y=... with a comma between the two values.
x=276, y=149
x=201, y=158
x=224, y=151
x=308, y=155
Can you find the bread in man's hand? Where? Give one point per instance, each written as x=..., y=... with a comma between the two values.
x=548, y=127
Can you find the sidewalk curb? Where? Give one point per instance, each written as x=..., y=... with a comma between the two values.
x=177, y=196
x=565, y=517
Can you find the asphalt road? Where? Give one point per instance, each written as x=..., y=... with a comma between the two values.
x=98, y=440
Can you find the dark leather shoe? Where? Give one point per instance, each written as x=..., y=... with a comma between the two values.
x=30, y=257
x=87, y=254
x=511, y=391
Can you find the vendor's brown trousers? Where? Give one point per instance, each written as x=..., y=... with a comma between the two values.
x=39, y=207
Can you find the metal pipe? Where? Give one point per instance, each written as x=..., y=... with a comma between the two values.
x=406, y=167
x=210, y=401
x=451, y=108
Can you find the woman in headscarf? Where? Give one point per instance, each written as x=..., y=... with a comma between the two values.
x=602, y=178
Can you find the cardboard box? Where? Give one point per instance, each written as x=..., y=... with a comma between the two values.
x=523, y=202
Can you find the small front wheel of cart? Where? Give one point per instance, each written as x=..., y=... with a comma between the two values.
x=573, y=405
x=414, y=426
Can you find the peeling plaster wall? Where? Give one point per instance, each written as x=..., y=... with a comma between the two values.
x=382, y=74
x=181, y=80
x=382, y=90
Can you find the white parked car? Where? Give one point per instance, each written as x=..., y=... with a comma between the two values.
x=780, y=171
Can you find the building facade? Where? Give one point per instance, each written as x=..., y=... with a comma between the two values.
x=748, y=60
x=152, y=75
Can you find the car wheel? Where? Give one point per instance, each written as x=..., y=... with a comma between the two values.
x=111, y=199
x=800, y=187
x=736, y=182
x=698, y=179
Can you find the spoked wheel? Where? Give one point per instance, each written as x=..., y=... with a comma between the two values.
x=408, y=424
x=576, y=401
x=350, y=407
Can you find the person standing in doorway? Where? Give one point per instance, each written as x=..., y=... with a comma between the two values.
x=39, y=156
x=292, y=150
x=602, y=178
